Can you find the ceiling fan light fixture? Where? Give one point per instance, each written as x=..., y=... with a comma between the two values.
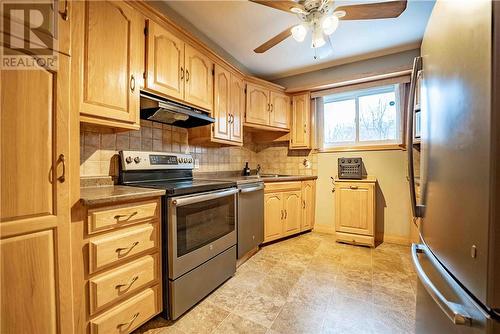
x=318, y=39
x=330, y=24
x=299, y=32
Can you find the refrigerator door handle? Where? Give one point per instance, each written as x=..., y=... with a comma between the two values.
x=456, y=312
x=417, y=66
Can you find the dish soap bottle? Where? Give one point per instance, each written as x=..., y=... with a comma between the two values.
x=246, y=170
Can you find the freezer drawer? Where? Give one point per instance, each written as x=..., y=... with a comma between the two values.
x=442, y=304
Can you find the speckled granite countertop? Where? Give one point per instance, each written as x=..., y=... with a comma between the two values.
x=112, y=194
x=240, y=179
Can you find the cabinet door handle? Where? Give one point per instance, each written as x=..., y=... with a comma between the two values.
x=286, y=214
x=281, y=214
x=272, y=107
x=187, y=76
x=353, y=187
x=182, y=73
x=128, y=323
x=128, y=216
x=64, y=14
x=303, y=204
x=127, y=285
x=127, y=249
x=305, y=128
x=62, y=159
x=132, y=83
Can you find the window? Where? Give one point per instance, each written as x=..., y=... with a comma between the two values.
x=362, y=118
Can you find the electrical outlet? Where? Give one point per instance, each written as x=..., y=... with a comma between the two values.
x=196, y=163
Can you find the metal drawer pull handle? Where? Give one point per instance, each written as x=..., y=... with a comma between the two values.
x=62, y=159
x=454, y=311
x=127, y=249
x=128, y=323
x=128, y=216
x=128, y=285
x=281, y=214
x=286, y=214
x=354, y=187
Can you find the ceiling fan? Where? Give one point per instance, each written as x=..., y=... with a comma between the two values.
x=322, y=19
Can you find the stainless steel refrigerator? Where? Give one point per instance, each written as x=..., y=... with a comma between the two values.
x=457, y=194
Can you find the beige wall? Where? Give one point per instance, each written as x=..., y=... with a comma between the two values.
x=393, y=210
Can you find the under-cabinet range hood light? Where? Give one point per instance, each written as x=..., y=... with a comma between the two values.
x=157, y=109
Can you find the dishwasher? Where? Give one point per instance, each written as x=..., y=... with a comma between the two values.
x=250, y=227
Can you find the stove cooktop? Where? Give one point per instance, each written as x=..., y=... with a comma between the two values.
x=185, y=186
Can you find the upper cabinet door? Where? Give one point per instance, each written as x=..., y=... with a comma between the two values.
x=301, y=123
x=237, y=107
x=222, y=106
x=258, y=106
x=199, y=79
x=165, y=62
x=280, y=110
x=108, y=61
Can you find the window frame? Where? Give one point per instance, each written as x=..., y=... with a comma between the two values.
x=357, y=144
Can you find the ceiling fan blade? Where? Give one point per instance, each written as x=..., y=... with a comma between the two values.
x=280, y=4
x=273, y=41
x=370, y=11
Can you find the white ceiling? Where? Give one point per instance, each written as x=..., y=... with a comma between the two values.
x=240, y=26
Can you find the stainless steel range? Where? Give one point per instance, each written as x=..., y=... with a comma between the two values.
x=198, y=225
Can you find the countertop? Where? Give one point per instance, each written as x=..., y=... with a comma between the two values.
x=110, y=194
x=240, y=179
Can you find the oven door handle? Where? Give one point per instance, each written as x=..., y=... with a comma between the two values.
x=203, y=197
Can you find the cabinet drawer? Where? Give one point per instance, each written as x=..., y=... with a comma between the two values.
x=122, y=281
x=282, y=186
x=128, y=315
x=355, y=239
x=122, y=244
x=110, y=217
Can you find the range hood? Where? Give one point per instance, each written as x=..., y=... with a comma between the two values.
x=157, y=109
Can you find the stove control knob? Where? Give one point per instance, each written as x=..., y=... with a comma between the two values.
x=190, y=160
x=181, y=160
x=137, y=160
x=128, y=159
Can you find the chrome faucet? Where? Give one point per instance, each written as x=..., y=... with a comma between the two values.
x=258, y=169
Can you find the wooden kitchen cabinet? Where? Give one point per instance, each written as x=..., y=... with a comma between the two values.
x=300, y=131
x=273, y=216
x=288, y=208
x=292, y=219
x=266, y=108
x=222, y=103
x=280, y=110
x=176, y=70
x=237, y=105
x=199, y=78
x=35, y=206
x=355, y=211
x=164, y=62
x=308, y=204
x=107, y=62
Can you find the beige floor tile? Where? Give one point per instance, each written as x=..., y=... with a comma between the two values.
x=235, y=324
x=396, y=280
x=394, y=299
x=347, y=315
x=203, y=318
x=388, y=321
x=361, y=290
x=296, y=318
x=260, y=308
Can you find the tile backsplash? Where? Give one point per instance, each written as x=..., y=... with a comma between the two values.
x=99, y=151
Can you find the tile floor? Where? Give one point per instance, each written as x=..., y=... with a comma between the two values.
x=308, y=284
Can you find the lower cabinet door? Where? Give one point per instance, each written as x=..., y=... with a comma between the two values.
x=292, y=207
x=354, y=208
x=308, y=204
x=273, y=216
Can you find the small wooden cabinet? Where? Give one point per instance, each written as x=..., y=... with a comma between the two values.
x=300, y=132
x=288, y=208
x=177, y=70
x=107, y=62
x=355, y=211
x=267, y=108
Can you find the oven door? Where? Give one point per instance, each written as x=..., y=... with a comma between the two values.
x=200, y=227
